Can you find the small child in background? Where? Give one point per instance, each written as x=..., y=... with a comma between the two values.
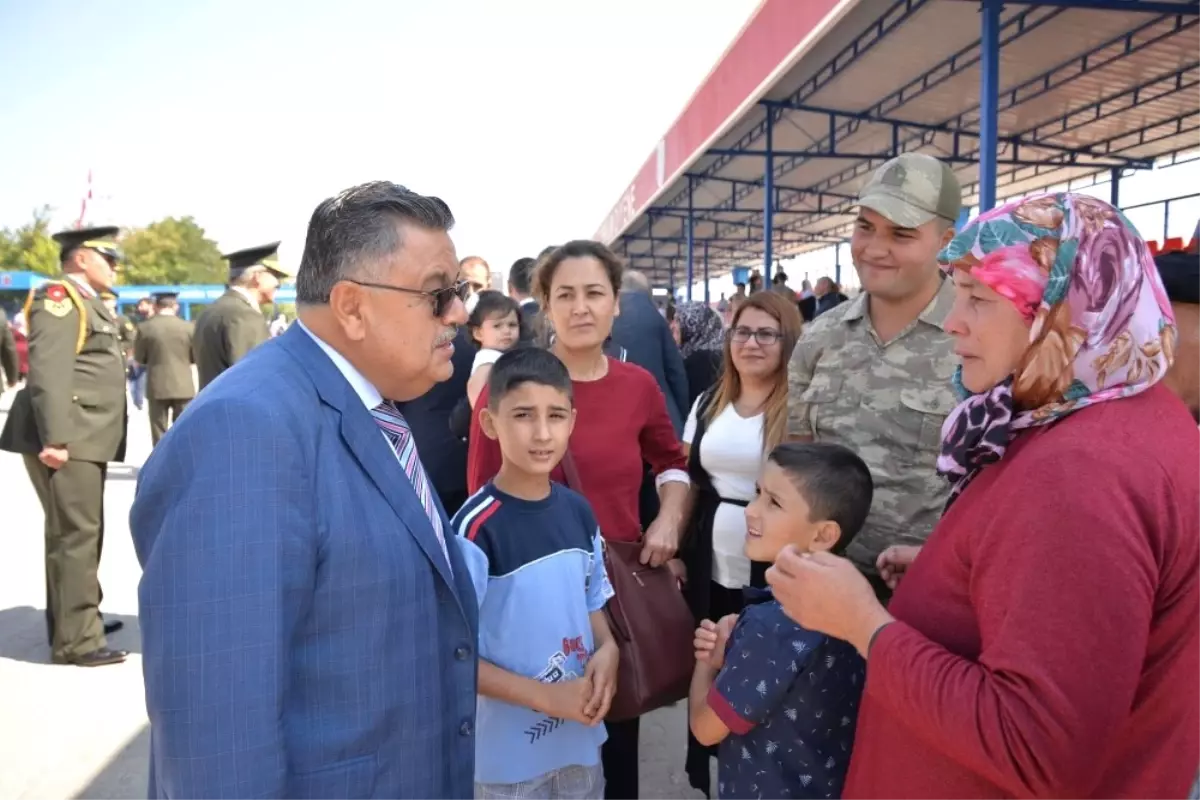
x=495, y=325
x=547, y=660
x=783, y=700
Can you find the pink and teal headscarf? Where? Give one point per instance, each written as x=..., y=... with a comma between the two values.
x=1100, y=325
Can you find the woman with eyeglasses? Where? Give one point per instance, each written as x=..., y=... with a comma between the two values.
x=621, y=422
x=728, y=432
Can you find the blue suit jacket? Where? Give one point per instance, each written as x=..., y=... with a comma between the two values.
x=302, y=634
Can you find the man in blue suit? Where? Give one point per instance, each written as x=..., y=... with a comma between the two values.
x=646, y=337
x=308, y=623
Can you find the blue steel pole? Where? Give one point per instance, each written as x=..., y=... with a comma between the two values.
x=989, y=98
x=691, y=241
x=769, y=200
x=837, y=264
x=1114, y=188
x=650, y=234
x=707, y=294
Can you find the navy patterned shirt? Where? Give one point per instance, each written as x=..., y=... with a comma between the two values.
x=789, y=697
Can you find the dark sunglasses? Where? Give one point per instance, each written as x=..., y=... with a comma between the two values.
x=109, y=251
x=440, y=299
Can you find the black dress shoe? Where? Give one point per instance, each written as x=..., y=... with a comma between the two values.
x=97, y=658
x=112, y=626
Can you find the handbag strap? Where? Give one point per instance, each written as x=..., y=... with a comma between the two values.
x=571, y=472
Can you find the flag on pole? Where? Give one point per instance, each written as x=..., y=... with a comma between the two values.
x=83, y=206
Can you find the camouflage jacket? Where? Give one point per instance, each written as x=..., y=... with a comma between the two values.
x=887, y=402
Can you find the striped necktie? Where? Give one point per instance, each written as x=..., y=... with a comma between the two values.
x=399, y=435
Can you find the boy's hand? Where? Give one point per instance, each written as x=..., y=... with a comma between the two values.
x=602, y=672
x=894, y=562
x=711, y=639
x=566, y=699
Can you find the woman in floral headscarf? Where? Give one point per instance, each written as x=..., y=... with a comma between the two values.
x=1044, y=643
x=701, y=343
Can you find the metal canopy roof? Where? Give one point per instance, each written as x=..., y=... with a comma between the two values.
x=826, y=90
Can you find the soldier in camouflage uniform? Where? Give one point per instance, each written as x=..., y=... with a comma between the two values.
x=68, y=423
x=874, y=373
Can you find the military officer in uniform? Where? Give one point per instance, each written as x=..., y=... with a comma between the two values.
x=164, y=348
x=125, y=326
x=68, y=422
x=10, y=362
x=234, y=325
x=128, y=335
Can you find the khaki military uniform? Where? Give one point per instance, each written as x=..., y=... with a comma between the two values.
x=164, y=347
x=128, y=334
x=74, y=397
x=226, y=331
x=885, y=401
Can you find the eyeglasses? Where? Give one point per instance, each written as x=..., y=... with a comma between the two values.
x=764, y=336
x=440, y=298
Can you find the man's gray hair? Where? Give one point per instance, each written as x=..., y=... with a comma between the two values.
x=634, y=281
x=356, y=227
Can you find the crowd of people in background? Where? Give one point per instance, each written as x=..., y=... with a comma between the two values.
x=938, y=538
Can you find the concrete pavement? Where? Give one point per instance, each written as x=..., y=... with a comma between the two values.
x=82, y=733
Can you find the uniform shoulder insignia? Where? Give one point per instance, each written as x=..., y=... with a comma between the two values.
x=56, y=292
x=58, y=308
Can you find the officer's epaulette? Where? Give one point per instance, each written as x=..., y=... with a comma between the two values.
x=57, y=299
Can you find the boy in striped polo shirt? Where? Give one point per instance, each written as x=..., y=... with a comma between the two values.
x=548, y=663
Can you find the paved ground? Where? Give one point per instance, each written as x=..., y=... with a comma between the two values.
x=82, y=733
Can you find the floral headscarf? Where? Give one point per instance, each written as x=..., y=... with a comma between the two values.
x=1101, y=326
x=700, y=328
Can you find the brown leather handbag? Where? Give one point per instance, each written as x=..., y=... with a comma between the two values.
x=651, y=623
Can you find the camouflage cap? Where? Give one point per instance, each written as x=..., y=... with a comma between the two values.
x=912, y=189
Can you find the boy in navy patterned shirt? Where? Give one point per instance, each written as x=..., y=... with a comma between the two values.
x=782, y=700
x=547, y=661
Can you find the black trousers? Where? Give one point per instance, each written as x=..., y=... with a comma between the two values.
x=619, y=757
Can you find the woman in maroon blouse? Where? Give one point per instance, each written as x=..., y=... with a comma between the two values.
x=1044, y=642
x=621, y=422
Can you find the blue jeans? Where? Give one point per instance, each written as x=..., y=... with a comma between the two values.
x=137, y=386
x=567, y=783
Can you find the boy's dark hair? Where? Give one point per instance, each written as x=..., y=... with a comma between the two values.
x=833, y=479
x=520, y=274
x=491, y=304
x=527, y=365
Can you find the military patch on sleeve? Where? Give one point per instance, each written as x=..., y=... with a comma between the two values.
x=57, y=308
x=56, y=292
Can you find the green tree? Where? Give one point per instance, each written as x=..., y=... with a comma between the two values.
x=30, y=247
x=172, y=250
